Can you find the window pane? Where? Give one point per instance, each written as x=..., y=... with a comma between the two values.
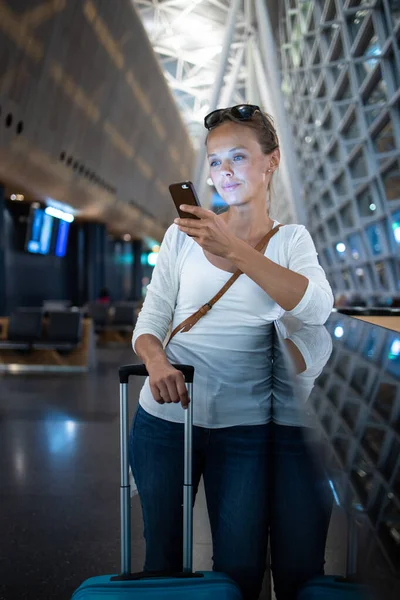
x=341, y=251
x=374, y=239
x=355, y=22
x=381, y=274
x=363, y=69
x=345, y=92
x=391, y=181
x=338, y=52
x=356, y=246
x=361, y=277
x=346, y=279
x=340, y=186
x=346, y=214
x=373, y=51
x=393, y=69
x=327, y=124
x=321, y=235
x=334, y=154
x=343, y=107
x=397, y=274
x=352, y=129
x=372, y=113
x=365, y=204
x=333, y=226
x=335, y=71
x=395, y=14
x=379, y=92
x=394, y=231
x=358, y=167
x=327, y=33
x=327, y=201
x=327, y=252
x=384, y=141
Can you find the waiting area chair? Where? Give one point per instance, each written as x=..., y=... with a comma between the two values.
x=99, y=313
x=57, y=341
x=120, y=316
x=63, y=332
x=123, y=317
x=25, y=328
x=28, y=330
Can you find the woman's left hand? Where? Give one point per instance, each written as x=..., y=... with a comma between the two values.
x=210, y=232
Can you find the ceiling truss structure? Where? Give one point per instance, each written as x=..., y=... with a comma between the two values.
x=187, y=37
x=212, y=56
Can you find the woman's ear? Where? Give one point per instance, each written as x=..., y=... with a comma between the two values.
x=275, y=158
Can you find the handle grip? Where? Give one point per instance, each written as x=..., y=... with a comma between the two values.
x=140, y=370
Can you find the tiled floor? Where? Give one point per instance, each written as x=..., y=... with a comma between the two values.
x=59, y=493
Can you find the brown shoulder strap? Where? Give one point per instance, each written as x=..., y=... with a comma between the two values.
x=187, y=325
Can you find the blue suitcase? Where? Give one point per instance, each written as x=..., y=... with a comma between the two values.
x=330, y=587
x=146, y=586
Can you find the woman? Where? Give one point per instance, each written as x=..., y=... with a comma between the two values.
x=229, y=348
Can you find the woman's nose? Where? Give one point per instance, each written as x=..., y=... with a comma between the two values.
x=226, y=168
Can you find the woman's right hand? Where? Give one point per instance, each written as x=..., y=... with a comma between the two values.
x=167, y=384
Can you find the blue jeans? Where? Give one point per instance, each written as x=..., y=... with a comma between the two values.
x=259, y=481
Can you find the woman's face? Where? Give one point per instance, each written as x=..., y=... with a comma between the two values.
x=238, y=167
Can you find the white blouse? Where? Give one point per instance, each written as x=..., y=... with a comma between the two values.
x=231, y=346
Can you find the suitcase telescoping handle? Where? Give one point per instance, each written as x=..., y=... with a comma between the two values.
x=140, y=370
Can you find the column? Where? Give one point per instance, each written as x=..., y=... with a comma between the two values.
x=3, y=289
x=94, y=260
x=137, y=248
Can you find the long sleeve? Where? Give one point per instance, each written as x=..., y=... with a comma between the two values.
x=317, y=303
x=158, y=307
x=291, y=390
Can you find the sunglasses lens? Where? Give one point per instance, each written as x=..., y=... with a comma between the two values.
x=212, y=119
x=243, y=111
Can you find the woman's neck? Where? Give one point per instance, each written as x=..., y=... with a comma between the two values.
x=248, y=222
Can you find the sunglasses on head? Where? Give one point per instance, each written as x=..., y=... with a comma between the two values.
x=241, y=112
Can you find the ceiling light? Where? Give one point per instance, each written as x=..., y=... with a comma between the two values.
x=395, y=349
x=126, y=237
x=396, y=231
x=339, y=331
x=372, y=206
x=62, y=206
x=340, y=247
x=59, y=214
x=152, y=259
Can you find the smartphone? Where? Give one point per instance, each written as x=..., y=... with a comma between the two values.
x=184, y=193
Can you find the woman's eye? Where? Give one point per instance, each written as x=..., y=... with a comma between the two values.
x=214, y=163
x=238, y=157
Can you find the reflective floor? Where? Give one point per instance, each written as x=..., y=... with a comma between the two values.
x=59, y=493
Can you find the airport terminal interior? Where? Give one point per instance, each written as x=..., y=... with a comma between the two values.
x=102, y=107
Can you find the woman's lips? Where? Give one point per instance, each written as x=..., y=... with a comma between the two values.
x=229, y=187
